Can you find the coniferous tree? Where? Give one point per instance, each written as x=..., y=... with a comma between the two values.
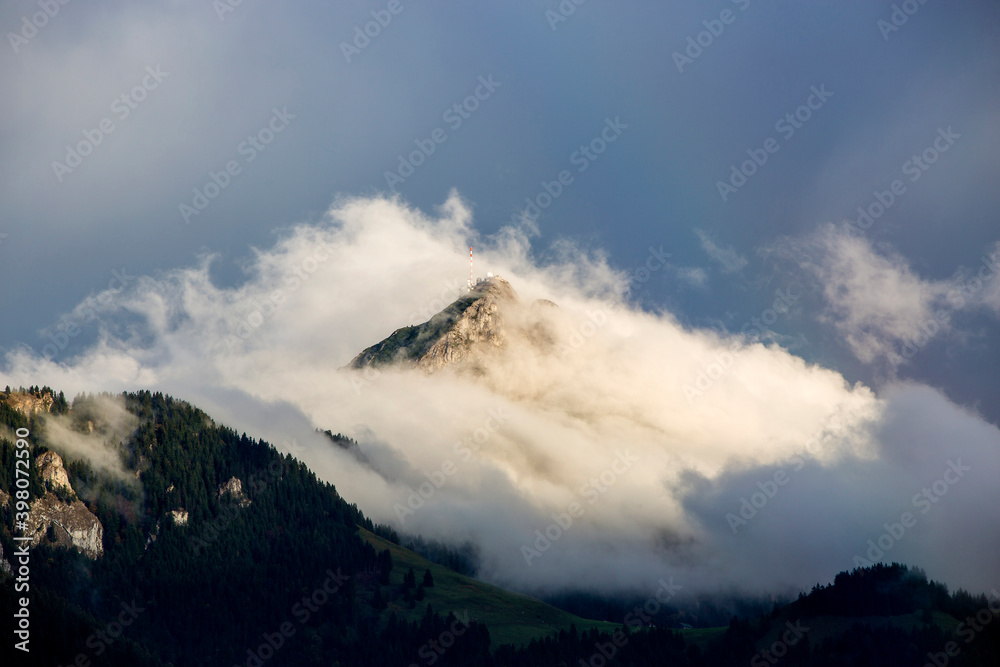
x=384, y=566
x=242, y=587
x=378, y=602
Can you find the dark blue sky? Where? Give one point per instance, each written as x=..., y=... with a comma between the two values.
x=195, y=202
x=559, y=82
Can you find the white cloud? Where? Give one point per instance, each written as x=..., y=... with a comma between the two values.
x=694, y=276
x=728, y=257
x=884, y=310
x=265, y=356
x=983, y=278
x=877, y=302
x=823, y=517
x=109, y=424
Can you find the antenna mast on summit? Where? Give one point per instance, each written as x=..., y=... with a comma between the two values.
x=470, y=268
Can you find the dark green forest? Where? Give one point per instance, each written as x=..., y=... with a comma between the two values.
x=285, y=579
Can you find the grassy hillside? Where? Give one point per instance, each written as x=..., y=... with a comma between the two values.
x=236, y=573
x=512, y=618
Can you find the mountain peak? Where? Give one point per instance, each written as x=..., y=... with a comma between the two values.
x=469, y=328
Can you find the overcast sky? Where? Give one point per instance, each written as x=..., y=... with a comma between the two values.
x=166, y=151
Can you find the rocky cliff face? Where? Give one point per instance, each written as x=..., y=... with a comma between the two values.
x=480, y=327
x=469, y=329
x=72, y=523
x=179, y=517
x=52, y=472
x=29, y=405
x=233, y=489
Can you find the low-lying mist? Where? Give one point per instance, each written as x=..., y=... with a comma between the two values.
x=626, y=449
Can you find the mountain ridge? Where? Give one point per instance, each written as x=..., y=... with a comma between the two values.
x=256, y=563
x=468, y=329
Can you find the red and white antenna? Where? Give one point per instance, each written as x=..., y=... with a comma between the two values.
x=470, y=268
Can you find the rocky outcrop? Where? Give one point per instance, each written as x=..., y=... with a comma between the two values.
x=180, y=517
x=52, y=472
x=29, y=405
x=480, y=326
x=233, y=488
x=73, y=525
x=470, y=328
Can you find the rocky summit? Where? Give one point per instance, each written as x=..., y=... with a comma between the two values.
x=470, y=328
